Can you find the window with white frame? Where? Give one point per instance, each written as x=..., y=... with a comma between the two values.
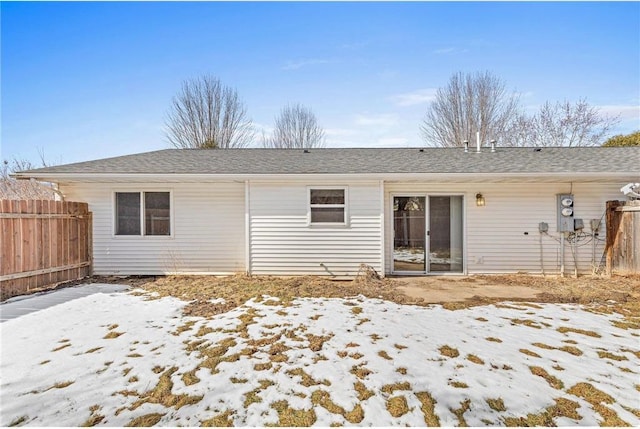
x=148, y=212
x=327, y=205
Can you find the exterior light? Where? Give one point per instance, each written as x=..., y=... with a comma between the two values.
x=480, y=200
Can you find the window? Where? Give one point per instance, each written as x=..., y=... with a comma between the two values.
x=127, y=213
x=156, y=207
x=327, y=205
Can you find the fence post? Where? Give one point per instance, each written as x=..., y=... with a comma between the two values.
x=612, y=225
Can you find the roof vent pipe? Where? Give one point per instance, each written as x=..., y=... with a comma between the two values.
x=466, y=146
x=478, y=141
x=493, y=145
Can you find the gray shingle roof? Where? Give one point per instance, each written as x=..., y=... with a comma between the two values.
x=361, y=161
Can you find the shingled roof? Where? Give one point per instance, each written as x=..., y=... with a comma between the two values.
x=625, y=160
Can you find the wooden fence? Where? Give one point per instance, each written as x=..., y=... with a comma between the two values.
x=43, y=242
x=623, y=237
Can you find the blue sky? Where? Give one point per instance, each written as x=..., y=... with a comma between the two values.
x=84, y=81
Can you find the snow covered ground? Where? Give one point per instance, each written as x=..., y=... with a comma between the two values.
x=120, y=358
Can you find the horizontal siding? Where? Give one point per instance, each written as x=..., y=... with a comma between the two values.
x=495, y=234
x=208, y=230
x=282, y=241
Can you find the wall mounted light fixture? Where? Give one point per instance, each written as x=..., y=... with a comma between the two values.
x=480, y=202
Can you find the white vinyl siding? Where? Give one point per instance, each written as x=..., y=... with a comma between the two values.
x=283, y=241
x=495, y=239
x=207, y=229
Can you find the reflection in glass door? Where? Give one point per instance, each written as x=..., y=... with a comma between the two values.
x=409, y=234
x=445, y=234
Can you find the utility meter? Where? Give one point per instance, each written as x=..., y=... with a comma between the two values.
x=565, y=213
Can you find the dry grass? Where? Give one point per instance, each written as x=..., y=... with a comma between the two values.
x=459, y=412
x=596, y=398
x=162, y=394
x=427, y=407
x=390, y=388
x=494, y=339
x=565, y=329
x=590, y=394
x=362, y=391
x=290, y=417
x=607, y=355
x=222, y=420
x=562, y=408
x=183, y=328
x=189, y=378
x=459, y=384
x=529, y=353
x=496, y=404
x=94, y=418
x=252, y=396
x=112, y=334
x=475, y=359
x=553, y=381
x=237, y=289
x=323, y=399
x=526, y=322
x=543, y=346
x=214, y=355
x=571, y=350
x=397, y=406
x=402, y=370
x=384, y=355
x=18, y=421
x=317, y=341
x=61, y=347
x=360, y=371
x=307, y=380
x=61, y=385
x=449, y=351
x=145, y=421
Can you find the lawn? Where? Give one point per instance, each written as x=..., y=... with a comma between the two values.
x=248, y=359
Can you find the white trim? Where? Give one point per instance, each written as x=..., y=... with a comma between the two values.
x=345, y=207
x=247, y=226
x=142, y=234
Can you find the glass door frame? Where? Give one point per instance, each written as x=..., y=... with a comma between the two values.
x=427, y=219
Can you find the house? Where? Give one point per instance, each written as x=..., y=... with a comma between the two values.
x=327, y=211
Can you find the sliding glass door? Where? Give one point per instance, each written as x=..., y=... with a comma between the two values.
x=409, y=238
x=445, y=234
x=428, y=234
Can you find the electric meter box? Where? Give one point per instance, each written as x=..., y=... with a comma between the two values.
x=565, y=213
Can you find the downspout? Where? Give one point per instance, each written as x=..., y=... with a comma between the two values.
x=247, y=227
x=383, y=231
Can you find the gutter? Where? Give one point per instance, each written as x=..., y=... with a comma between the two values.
x=462, y=177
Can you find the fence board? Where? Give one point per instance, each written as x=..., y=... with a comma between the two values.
x=623, y=237
x=43, y=242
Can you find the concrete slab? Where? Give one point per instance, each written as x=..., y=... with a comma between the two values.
x=458, y=289
x=21, y=305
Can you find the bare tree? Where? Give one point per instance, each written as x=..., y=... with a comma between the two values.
x=208, y=115
x=470, y=103
x=295, y=127
x=12, y=189
x=564, y=124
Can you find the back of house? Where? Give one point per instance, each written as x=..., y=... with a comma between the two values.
x=328, y=211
